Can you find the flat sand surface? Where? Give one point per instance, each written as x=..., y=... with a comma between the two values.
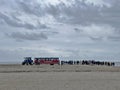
x=67, y=77
x=15, y=68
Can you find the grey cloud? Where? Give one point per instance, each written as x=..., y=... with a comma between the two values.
x=84, y=14
x=63, y=39
x=30, y=7
x=53, y=10
x=114, y=38
x=42, y=26
x=97, y=32
x=78, y=30
x=96, y=38
x=27, y=36
x=79, y=12
x=15, y=23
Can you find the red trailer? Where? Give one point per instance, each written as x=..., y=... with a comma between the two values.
x=46, y=60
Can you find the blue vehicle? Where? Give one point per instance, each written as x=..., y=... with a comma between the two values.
x=27, y=61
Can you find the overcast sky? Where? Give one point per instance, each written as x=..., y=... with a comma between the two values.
x=79, y=29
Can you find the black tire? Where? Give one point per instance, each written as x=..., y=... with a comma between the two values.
x=23, y=63
x=51, y=64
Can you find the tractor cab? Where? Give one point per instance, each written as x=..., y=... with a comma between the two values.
x=27, y=61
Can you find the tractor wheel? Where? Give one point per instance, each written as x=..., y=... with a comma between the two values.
x=23, y=63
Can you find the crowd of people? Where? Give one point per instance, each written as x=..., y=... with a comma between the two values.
x=88, y=62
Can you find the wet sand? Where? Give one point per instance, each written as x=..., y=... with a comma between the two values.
x=67, y=77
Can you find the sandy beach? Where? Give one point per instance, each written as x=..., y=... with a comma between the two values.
x=66, y=77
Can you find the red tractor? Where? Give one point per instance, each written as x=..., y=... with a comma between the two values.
x=47, y=60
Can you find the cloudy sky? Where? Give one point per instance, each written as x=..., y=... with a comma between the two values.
x=79, y=29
